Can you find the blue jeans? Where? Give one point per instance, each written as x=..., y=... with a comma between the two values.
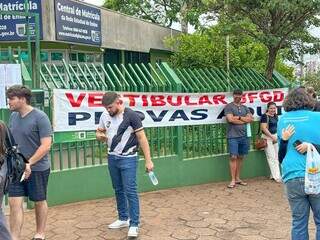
x=123, y=172
x=238, y=146
x=300, y=204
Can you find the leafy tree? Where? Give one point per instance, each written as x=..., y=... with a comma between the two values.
x=163, y=12
x=312, y=80
x=277, y=24
x=208, y=48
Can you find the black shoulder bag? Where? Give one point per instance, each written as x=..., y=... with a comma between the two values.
x=16, y=162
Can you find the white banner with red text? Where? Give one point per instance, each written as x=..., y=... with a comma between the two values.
x=80, y=110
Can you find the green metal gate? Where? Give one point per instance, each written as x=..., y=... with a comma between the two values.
x=183, y=155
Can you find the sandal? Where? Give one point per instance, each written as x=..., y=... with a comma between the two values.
x=242, y=183
x=231, y=185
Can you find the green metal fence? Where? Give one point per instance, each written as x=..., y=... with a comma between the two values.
x=133, y=78
x=78, y=165
x=188, y=141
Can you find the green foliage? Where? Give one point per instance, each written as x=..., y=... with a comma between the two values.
x=277, y=24
x=312, y=80
x=208, y=49
x=163, y=12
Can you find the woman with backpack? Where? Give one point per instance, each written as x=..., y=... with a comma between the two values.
x=4, y=233
x=268, y=125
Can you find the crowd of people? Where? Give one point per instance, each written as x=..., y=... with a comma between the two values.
x=287, y=137
x=120, y=127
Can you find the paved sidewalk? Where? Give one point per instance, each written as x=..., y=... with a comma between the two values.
x=258, y=211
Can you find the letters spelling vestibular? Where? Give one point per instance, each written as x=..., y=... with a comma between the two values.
x=157, y=100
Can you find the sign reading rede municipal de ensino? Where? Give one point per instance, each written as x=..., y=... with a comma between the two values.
x=13, y=27
x=76, y=22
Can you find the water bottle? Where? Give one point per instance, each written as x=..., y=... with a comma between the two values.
x=249, y=133
x=153, y=178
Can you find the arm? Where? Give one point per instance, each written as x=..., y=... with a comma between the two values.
x=234, y=119
x=283, y=145
x=247, y=119
x=43, y=149
x=265, y=130
x=45, y=132
x=101, y=130
x=303, y=147
x=101, y=134
x=143, y=142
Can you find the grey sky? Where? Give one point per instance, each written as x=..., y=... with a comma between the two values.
x=95, y=2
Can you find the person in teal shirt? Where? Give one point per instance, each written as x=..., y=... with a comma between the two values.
x=299, y=122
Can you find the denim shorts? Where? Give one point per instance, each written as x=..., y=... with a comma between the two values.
x=238, y=146
x=35, y=187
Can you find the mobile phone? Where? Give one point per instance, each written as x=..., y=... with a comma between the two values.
x=297, y=143
x=23, y=177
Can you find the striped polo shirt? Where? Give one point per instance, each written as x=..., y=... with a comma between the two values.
x=120, y=131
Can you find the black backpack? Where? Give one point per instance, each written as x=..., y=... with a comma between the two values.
x=16, y=162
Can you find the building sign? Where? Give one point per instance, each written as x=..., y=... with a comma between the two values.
x=77, y=110
x=10, y=74
x=76, y=22
x=14, y=27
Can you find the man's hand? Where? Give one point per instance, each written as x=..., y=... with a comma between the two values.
x=247, y=119
x=149, y=166
x=287, y=132
x=302, y=148
x=101, y=135
x=27, y=171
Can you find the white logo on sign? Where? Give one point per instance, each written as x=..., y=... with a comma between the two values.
x=21, y=29
x=95, y=36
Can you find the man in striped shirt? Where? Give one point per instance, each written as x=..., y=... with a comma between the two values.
x=121, y=128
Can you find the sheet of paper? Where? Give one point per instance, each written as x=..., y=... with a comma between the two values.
x=13, y=74
x=2, y=86
x=10, y=74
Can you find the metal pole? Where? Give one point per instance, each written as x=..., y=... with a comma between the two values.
x=26, y=6
x=227, y=53
x=37, y=49
x=228, y=60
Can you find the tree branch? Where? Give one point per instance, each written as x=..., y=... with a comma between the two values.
x=296, y=23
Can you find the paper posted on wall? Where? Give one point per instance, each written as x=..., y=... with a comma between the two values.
x=10, y=74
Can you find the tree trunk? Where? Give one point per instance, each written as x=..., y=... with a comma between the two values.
x=271, y=62
x=183, y=22
x=184, y=26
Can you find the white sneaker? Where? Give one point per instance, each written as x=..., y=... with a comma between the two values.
x=133, y=232
x=119, y=224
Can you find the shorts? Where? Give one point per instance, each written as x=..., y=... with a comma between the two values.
x=238, y=146
x=35, y=187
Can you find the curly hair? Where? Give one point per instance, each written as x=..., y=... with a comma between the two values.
x=298, y=99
